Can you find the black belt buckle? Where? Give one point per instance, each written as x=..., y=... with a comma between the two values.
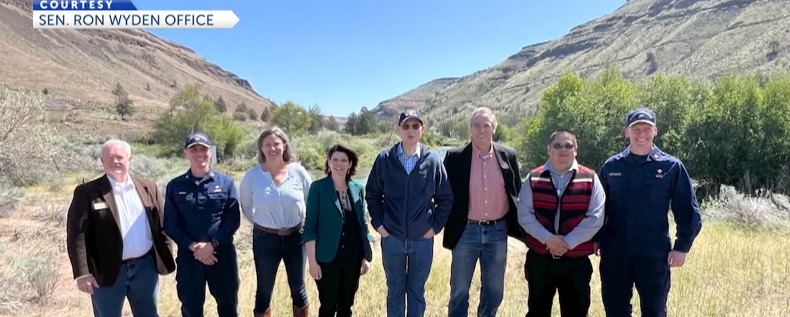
x=555, y=257
x=483, y=222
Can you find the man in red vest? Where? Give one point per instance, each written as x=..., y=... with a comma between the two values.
x=561, y=210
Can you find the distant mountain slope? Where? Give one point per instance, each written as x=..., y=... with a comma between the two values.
x=412, y=99
x=86, y=64
x=695, y=38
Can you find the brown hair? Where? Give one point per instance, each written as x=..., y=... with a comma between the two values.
x=353, y=158
x=288, y=153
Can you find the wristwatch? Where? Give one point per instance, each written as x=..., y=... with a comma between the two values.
x=214, y=243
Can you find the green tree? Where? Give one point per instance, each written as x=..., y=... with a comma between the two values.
x=594, y=110
x=732, y=131
x=189, y=112
x=222, y=107
x=331, y=124
x=124, y=106
x=266, y=114
x=351, y=124
x=316, y=119
x=364, y=123
x=290, y=117
x=252, y=114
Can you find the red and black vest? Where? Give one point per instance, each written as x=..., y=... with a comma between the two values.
x=573, y=203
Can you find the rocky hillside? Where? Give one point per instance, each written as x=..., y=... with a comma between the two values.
x=414, y=98
x=82, y=66
x=695, y=38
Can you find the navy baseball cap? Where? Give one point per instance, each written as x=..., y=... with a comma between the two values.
x=408, y=114
x=197, y=138
x=643, y=115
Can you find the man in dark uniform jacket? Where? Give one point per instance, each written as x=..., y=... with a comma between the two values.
x=641, y=184
x=201, y=215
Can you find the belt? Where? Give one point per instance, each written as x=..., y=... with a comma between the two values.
x=281, y=231
x=142, y=257
x=484, y=222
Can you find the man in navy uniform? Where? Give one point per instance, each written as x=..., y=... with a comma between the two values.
x=201, y=215
x=641, y=184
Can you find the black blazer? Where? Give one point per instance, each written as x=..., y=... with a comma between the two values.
x=93, y=234
x=458, y=162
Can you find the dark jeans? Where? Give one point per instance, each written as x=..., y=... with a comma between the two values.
x=620, y=273
x=338, y=286
x=222, y=279
x=138, y=281
x=407, y=264
x=488, y=244
x=268, y=250
x=570, y=277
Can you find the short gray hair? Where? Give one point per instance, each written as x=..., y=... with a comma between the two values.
x=482, y=111
x=112, y=142
x=288, y=153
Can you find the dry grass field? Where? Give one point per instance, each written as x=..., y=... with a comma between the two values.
x=733, y=270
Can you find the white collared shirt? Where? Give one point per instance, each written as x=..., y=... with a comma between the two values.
x=135, y=230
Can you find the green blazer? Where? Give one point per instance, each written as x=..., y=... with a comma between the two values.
x=323, y=221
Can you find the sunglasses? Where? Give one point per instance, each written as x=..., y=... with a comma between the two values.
x=414, y=126
x=560, y=146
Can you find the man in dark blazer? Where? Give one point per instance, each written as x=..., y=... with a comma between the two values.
x=485, y=180
x=115, y=240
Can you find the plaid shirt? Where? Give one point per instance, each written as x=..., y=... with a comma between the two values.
x=408, y=162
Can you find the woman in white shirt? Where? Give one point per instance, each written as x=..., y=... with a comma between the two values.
x=272, y=196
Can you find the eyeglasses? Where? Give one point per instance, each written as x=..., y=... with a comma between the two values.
x=414, y=126
x=560, y=146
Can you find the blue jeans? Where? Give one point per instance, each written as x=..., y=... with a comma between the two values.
x=269, y=249
x=488, y=243
x=138, y=281
x=407, y=264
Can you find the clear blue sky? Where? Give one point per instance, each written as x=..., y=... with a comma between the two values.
x=344, y=55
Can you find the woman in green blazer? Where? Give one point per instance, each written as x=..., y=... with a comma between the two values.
x=336, y=233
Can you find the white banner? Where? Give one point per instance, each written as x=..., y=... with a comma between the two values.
x=107, y=19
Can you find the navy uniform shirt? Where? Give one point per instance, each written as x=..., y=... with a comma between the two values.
x=201, y=210
x=639, y=193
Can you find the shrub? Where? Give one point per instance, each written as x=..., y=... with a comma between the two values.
x=38, y=272
x=50, y=210
x=240, y=116
x=10, y=198
x=767, y=210
x=149, y=167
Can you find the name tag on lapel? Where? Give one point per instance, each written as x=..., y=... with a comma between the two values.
x=99, y=206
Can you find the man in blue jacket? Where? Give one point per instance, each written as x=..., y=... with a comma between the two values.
x=201, y=215
x=409, y=200
x=641, y=184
